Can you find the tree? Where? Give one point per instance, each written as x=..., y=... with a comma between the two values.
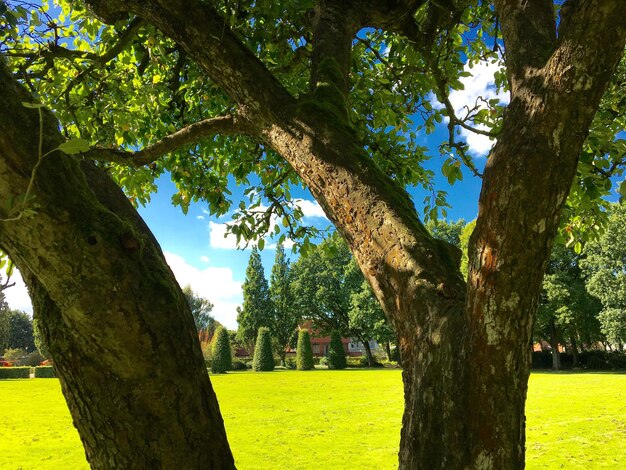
x=20, y=331
x=304, y=353
x=289, y=89
x=222, y=359
x=567, y=313
x=263, y=358
x=257, y=308
x=605, y=266
x=450, y=232
x=200, y=309
x=285, y=318
x=5, y=324
x=336, y=352
x=115, y=321
x=326, y=280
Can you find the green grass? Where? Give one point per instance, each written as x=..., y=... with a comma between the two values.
x=332, y=419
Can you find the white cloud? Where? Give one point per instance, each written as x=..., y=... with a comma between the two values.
x=17, y=296
x=219, y=238
x=480, y=84
x=214, y=283
x=200, y=217
x=310, y=208
x=205, y=259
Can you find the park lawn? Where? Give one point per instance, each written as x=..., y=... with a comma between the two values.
x=333, y=419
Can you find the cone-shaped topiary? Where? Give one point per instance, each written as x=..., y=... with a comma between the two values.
x=304, y=357
x=222, y=360
x=263, y=358
x=336, y=353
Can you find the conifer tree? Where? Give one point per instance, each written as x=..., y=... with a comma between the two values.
x=336, y=352
x=304, y=354
x=263, y=358
x=284, y=319
x=257, y=309
x=222, y=359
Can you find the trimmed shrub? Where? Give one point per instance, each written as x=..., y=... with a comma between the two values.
x=221, y=360
x=239, y=365
x=45, y=372
x=263, y=357
x=336, y=353
x=304, y=353
x=290, y=363
x=15, y=372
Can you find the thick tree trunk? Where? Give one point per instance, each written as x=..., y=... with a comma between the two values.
x=116, y=322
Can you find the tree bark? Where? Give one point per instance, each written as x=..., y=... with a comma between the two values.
x=118, y=328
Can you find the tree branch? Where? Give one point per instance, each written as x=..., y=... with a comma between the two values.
x=187, y=135
x=202, y=32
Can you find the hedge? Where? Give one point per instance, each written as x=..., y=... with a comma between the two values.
x=15, y=372
x=221, y=360
x=45, y=372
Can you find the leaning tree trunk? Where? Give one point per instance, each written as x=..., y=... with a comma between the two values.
x=117, y=325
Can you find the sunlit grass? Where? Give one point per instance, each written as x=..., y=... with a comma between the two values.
x=332, y=419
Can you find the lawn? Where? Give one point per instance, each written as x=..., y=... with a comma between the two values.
x=333, y=419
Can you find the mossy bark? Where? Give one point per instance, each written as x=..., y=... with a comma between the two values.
x=117, y=325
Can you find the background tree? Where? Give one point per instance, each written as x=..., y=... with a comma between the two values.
x=40, y=342
x=21, y=331
x=263, y=357
x=567, y=313
x=291, y=97
x=201, y=310
x=5, y=324
x=326, y=281
x=605, y=266
x=304, y=353
x=221, y=360
x=447, y=231
x=285, y=316
x=336, y=351
x=256, y=310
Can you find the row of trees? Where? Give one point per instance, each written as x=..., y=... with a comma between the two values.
x=326, y=287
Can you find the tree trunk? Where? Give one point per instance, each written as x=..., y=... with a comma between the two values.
x=388, y=350
x=368, y=353
x=118, y=328
x=574, y=344
x=554, y=344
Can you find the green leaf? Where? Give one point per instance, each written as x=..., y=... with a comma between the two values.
x=74, y=146
x=261, y=244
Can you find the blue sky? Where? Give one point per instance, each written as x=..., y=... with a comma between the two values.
x=199, y=255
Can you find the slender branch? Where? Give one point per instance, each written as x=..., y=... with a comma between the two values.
x=188, y=135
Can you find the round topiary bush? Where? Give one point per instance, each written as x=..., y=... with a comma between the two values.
x=336, y=352
x=263, y=358
x=221, y=359
x=304, y=353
